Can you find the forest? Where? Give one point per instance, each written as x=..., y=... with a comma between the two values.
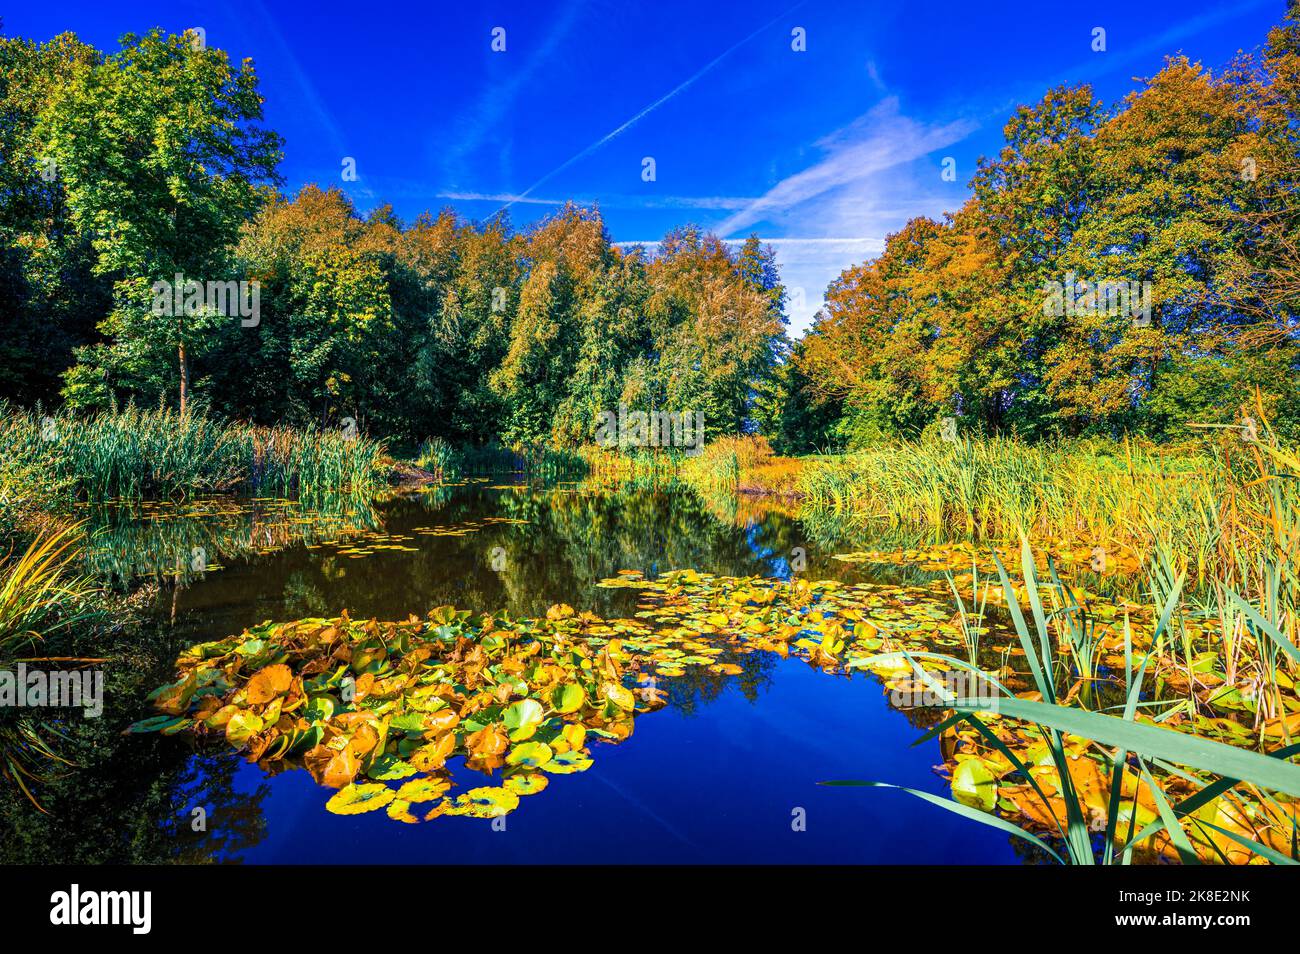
x=151, y=163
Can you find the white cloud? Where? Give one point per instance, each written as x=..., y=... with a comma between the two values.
x=880, y=141
x=876, y=174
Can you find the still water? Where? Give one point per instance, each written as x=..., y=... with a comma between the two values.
x=726, y=773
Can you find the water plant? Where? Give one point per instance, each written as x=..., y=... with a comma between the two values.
x=147, y=454
x=1135, y=750
x=40, y=598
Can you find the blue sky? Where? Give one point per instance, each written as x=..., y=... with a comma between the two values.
x=823, y=152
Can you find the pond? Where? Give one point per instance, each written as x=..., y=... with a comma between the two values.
x=726, y=772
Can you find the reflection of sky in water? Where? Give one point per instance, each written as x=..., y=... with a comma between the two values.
x=716, y=776
x=715, y=786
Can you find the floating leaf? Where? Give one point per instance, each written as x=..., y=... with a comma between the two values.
x=522, y=719
x=399, y=810
x=155, y=724
x=620, y=696
x=389, y=768
x=359, y=799
x=425, y=789
x=243, y=726
x=484, y=803
x=269, y=683
x=974, y=785
x=566, y=763
x=529, y=755
x=529, y=783
x=568, y=698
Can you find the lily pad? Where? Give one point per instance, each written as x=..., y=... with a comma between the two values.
x=357, y=799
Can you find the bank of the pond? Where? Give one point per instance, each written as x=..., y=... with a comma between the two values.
x=144, y=454
x=1219, y=664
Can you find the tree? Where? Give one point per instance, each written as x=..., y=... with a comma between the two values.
x=161, y=161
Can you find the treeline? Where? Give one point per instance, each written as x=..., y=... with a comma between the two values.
x=127, y=176
x=1184, y=195
x=1126, y=269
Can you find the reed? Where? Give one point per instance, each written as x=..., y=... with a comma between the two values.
x=534, y=461
x=40, y=598
x=149, y=454
x=1136, y=751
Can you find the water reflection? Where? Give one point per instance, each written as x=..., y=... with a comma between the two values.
x=485, y=546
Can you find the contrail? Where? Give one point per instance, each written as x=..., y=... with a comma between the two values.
x=649, y=109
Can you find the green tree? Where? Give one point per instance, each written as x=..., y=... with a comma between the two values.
x=161, y=161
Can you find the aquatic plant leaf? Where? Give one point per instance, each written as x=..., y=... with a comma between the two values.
x=399, y=810
x=529, y=755
x=358, y=799
x=427, y=789
x=330, y=767
x=522, y=719
x=974, y=785
x=566, y=763
x=156, y=723
x=620, y=696
x=528, y=783
x=486, y=802
x=243, y=726
x=568, y=698
x=268, y=683
x=389, y=768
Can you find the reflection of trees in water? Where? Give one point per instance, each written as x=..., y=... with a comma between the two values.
x=128, y=799
x=129, y=542
x=303, y=598
x=697, y=686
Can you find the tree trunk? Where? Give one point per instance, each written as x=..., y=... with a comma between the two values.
x=184, y=366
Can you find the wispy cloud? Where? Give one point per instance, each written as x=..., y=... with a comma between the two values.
x=641, y=114
x=877, y=142
x=872, y=177
x=307, y=92
x=608, y=200
x=485, y=116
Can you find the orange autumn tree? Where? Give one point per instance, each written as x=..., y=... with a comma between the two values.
x=1126, y=269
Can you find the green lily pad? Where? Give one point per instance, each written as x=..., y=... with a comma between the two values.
x=522, y=718
x=530, y=755
x=357, y=799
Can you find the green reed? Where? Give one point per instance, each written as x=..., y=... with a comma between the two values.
x=149, y=454
x=1128, y=745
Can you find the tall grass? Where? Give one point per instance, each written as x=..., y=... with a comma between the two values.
x=152, y=454
x=38, y=595
x=39, y=599
x=996, y=485
x=1201, y=503
x=1130, y=746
